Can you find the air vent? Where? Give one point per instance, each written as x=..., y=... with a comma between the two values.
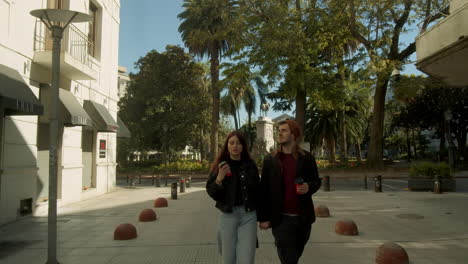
x=25, y=207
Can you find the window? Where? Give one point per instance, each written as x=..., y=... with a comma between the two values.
x=92, y=30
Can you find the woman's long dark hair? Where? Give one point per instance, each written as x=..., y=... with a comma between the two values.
x=224, y=155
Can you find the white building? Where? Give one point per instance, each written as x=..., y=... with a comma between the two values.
x=88, y=109
x=442, y=50
x=123, y=80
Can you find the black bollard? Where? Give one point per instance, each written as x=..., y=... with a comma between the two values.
x=158, y=180
x=174, y=191
x=182, y=184
x=165, y=177
x=188, y=181
x=132, y=181
x=365, y=182
x=326, y=183
x=378, y=183
x=438, y=185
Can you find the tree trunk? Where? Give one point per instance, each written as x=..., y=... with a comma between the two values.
x=202, y=146
x=442, y=147
x=358, y=152
x=375, y=154
x=249, y=131
x=408, y=145
x=344, y=144
x=461, y=143
x=300, y=109
x=415, y=146
x=331, y=149
x=234, y=115
x=214, y=71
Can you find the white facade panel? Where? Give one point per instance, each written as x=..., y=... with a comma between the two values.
x=25, y=167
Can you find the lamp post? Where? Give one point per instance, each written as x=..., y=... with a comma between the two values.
x=448, y=118
x=56, y=20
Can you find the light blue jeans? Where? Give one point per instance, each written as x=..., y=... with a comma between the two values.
x=237, y=236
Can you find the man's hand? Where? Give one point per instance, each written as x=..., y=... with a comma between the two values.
x=264, y=225
x=303, y=188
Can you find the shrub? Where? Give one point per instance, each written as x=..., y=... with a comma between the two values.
x=428, y=170
x=182, y=166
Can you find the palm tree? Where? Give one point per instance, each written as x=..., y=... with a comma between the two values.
x=207, y=28
x=240, y=82
x=322, y=126
x=229, y=106
x=357, y=111
x=250, y=103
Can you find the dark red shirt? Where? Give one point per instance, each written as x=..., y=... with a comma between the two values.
x=291, y=200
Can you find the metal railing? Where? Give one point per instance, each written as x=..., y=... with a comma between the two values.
x=74, y=42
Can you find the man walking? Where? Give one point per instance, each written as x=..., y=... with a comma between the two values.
x=289, y=178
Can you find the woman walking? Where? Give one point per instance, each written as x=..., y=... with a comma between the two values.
x=233, y=183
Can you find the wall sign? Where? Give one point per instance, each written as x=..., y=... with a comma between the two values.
x=102, y=148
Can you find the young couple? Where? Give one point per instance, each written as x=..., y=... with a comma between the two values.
x=281, y=199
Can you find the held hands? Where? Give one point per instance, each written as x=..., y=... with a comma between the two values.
x=303, y=188
x=264, y=225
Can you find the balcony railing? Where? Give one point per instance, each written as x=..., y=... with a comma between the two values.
x=74, y=42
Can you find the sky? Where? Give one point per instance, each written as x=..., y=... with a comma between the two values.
x=153, y=24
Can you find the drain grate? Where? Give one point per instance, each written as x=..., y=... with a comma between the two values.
x=410, y=216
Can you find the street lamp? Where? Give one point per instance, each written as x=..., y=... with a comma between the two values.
x=448, y=118
x=56, y=20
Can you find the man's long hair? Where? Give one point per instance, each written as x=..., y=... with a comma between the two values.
x=224, y=155
x=296, y=131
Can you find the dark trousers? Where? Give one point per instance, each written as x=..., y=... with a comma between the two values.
x=290, y=238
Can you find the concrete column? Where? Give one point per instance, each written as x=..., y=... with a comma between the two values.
x=265, y=132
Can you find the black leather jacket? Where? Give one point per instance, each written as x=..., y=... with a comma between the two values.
x=225, y=194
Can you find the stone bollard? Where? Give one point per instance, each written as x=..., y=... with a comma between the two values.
x=365, y=182
x=125, y=232
x=182, y=184
x=438, y=185
x=147, y=215
x=322, y=211
x=346, y=227
x=391, y=253
x=326, y=183
x=174, y=191
x=160, y=202
x=378, y=183
x=158, y=180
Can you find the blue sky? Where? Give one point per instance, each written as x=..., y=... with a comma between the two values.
x=152, y=24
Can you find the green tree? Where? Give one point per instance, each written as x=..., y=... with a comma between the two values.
x=163, y=112
x=378, y=26
x=207, y=28
x=240, y=83
x=430, y=105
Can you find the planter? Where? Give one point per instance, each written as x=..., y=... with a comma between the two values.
x=448, y=185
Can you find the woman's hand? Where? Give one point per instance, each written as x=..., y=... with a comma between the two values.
x=223, y=169
x=264, y=225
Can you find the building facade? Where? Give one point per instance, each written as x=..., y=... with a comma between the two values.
x=442, y=50
x=88, y=96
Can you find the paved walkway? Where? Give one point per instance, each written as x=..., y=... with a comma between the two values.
x=431, y=227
